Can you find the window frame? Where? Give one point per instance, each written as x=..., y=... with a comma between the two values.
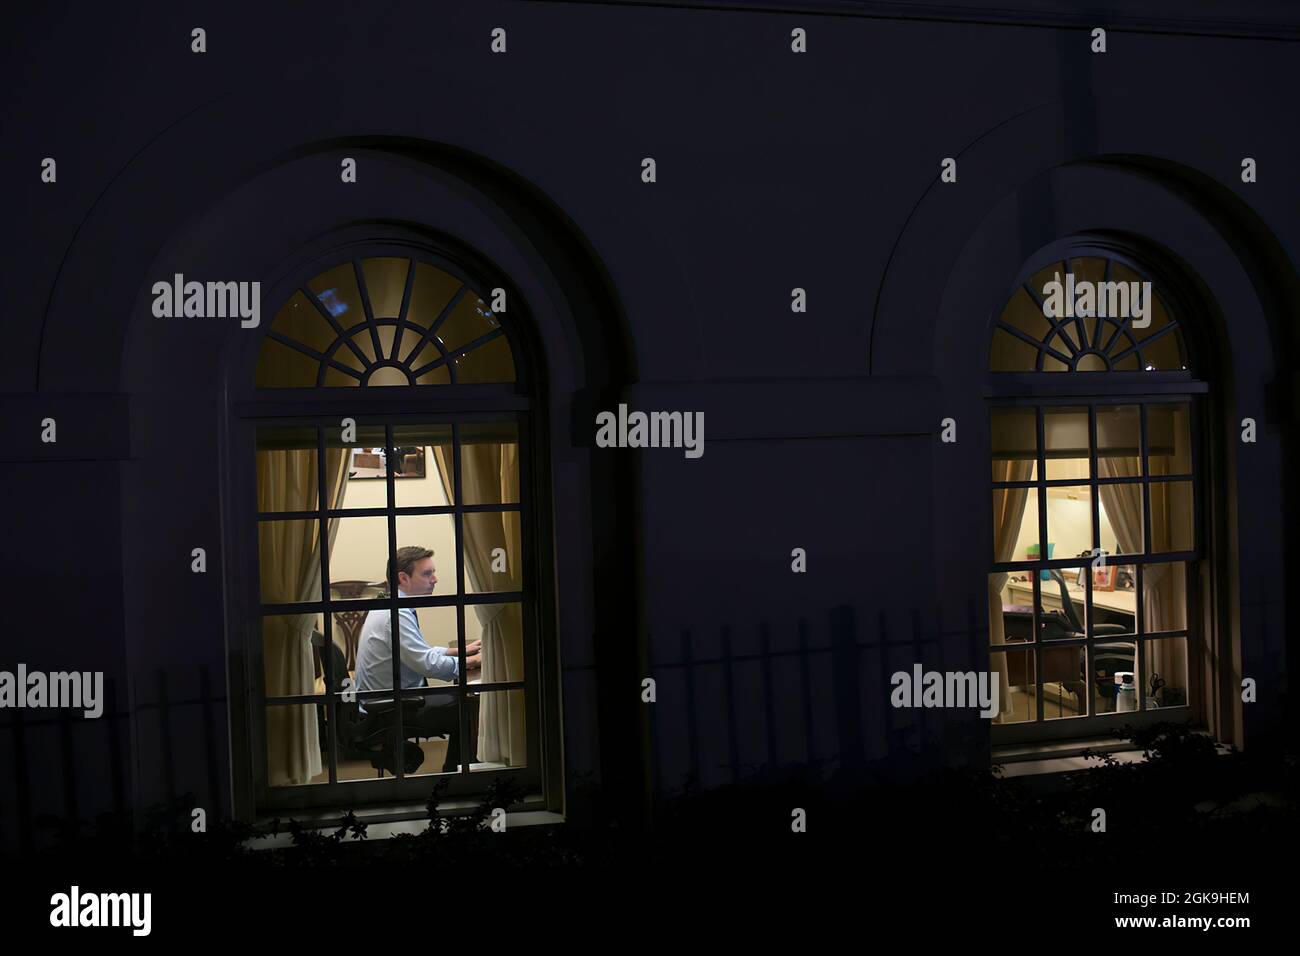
x=1093, y=723
x=1044, y=389
x=391, y=406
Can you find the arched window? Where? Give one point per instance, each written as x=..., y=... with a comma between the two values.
x=1096, y=492
x=391, y=419
x=384, y=321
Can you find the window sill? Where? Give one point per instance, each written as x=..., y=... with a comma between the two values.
x=1028, y=760
x=384, y=822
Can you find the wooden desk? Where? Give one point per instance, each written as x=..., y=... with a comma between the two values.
x=1121, y=602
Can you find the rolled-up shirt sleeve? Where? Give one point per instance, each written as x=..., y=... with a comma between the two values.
x=420, y=657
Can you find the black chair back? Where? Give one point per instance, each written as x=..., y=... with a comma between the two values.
x=1067, y=603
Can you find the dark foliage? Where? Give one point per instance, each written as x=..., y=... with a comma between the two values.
x=1187, y=801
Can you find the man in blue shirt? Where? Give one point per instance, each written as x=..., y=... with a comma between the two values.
x=418, y=660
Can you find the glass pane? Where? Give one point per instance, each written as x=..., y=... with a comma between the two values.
x=1119, y=508
x=1169, y=439
x=431, y=292
x=423, y=477
x=1063, y=344
x=1062, y=606
x=1171, y=516
x=1162, y=354
x=1015, y=670
x=287, y=479
x=300, y=320
x=432, y=724
x=493, y=554
x=425, y=354
x=1051, y=364
x=1127, y=364
x=500, y=629
x=441, y=375
x=369, y=463
x=1092, y=270
x=358, y=557
x=1065, y=437
x=1122, y=273
x=1161, y=350
x=489, y=463
x=1114, y=599
x=1064, y=690
x=433, y=574
x=469, y=319
x=1119, y=441
x=428, y=649
x=373, y=670
x=1164, y=597
x=1013, y=436
x=1010, y=354
x=1070, y=336
x=294, y=752
x=335, y=378
x=371, y=747
x=410, y=464
x=1024, y=314
x=492, y=362
x=338, y=293
x=1011, y=610
x=361, y=741
x=501, y=738
x=349, y=624
x=323, y=728
x=1114, y=665
x=365, y=345
x=1166, y=659
x=385, y=283
x=365, y=461
x=1069, y=521
x=279, y=366
x=438, y=628
x=287, y=553
x=1015, y=524
x=383, y=376
x=290, y=654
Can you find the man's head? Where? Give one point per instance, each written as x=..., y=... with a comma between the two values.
x=414, y=566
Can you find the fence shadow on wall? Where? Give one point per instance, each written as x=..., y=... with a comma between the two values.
x=848, y=731
x=31, y=804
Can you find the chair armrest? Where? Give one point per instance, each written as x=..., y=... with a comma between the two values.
x=1100, y=629
x=386, y=708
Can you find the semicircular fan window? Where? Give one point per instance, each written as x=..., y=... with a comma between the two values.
x=1027, y=339
x=384, y=321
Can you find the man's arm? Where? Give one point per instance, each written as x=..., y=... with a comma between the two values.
x=419, y=656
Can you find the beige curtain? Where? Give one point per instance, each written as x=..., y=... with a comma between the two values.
x=1164, y=590
x=289, y=554
x=490, y=473
x=1164, y=594
x=1008, y=512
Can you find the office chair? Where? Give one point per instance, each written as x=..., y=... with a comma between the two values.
x=1108, y=659
x=369, y=736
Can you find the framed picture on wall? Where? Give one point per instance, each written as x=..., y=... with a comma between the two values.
x=373, y=463
x=1103, y=579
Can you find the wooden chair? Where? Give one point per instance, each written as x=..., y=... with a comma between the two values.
x=350, y=622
